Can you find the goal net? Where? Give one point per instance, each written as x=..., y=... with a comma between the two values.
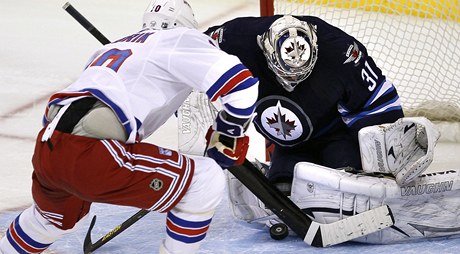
x=415, y=43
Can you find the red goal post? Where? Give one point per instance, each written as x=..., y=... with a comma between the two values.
x=266, y=7
x=415, y=43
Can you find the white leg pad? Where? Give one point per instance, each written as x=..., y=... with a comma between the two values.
x=245, y=205
x=426, y=208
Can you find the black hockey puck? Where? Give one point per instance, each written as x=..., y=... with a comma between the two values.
x=279, y=231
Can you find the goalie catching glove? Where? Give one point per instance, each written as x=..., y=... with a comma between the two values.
x=226, y=142
x=404, y=148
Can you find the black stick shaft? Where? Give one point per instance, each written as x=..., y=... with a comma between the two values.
x=85, y=23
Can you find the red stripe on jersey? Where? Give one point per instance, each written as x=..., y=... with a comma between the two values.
x=231, y=83
x=65, y=95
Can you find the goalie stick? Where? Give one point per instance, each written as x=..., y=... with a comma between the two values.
x=313, y=233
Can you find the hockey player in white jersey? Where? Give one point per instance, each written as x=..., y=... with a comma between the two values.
x=91, y=149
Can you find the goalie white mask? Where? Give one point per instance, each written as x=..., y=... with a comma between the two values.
x=167, y=14
x=291, y=49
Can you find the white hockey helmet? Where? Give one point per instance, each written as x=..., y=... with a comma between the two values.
x=167, y=14
x=291, y=49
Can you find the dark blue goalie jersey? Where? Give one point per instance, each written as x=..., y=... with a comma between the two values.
x=345, y=91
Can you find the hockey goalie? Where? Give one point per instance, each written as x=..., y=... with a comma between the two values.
x=395, y=158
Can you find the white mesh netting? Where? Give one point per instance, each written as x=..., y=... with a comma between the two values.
x=416, y=44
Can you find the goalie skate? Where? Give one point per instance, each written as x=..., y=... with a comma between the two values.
x=427, y=208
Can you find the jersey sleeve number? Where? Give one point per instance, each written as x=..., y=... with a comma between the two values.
x=369, y=76
x=112, y=59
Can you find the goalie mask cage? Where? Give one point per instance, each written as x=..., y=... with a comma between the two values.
x=415, y=43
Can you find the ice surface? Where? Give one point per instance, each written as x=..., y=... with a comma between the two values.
x=43, y=49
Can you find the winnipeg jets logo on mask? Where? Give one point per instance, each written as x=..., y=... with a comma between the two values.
x=295, y=51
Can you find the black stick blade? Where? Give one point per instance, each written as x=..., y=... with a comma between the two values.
x=87, y=244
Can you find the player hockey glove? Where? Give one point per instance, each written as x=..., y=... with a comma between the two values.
x=226, y=142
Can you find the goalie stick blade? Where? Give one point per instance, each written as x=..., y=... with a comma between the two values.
x=87, y=244
x=324, y=235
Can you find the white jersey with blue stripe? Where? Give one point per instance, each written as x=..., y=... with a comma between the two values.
x=145, y=77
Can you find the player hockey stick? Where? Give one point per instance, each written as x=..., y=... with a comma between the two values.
x=313, y=233
x=85, y=23
x=89, y=246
